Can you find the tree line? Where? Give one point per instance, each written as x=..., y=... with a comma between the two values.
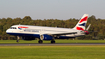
x=97, y=28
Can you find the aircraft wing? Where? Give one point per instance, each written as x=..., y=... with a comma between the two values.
x=62, y=33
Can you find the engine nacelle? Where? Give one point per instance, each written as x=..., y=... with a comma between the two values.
x=46, y=37
x=28, y=38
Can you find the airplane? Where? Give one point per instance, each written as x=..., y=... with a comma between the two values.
x=28, y=32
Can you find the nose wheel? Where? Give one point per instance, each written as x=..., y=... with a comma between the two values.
x=17, y=39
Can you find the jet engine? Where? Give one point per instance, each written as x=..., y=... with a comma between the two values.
x=46, y=37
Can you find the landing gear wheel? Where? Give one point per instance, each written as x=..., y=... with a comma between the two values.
x=52, y=41
x=17, y=41
x=40, y=41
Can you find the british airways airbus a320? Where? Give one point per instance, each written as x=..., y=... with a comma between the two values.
x=28, y=32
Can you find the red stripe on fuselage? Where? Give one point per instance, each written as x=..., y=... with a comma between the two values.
x=84, y=19
x=22, y=27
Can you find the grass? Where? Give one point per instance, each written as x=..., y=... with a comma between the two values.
x=57, y=41
x=52, y=52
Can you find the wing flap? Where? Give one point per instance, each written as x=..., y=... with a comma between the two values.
x=62, y=33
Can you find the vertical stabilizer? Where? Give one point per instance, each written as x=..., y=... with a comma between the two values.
x=82, y=23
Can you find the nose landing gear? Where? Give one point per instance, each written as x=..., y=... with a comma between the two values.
x=17, y=39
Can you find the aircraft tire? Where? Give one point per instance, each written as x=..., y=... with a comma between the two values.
x=40, y=41
x=52, y=41
x=17, y=41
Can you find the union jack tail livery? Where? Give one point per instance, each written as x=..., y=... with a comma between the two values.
x=82, y=23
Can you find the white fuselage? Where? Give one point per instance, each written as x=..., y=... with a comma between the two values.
x=28, y=32
x=40, y=30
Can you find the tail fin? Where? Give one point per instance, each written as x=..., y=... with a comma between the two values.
x=82, y=23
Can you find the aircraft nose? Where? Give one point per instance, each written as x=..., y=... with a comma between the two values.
x=7, y=31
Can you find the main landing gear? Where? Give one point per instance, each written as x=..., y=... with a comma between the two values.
x=52, y=41
x=41, y=41
x=42, y=38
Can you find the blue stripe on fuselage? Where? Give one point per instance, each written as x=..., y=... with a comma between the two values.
x=38, y=36
x=22, y=34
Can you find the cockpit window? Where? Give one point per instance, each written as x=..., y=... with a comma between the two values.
x=13, y=28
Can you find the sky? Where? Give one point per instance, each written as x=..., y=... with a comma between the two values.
x=52, y=9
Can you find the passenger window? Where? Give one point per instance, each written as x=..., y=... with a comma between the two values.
x=13, y=28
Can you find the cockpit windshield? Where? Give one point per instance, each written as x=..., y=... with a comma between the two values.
x=13, y=28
